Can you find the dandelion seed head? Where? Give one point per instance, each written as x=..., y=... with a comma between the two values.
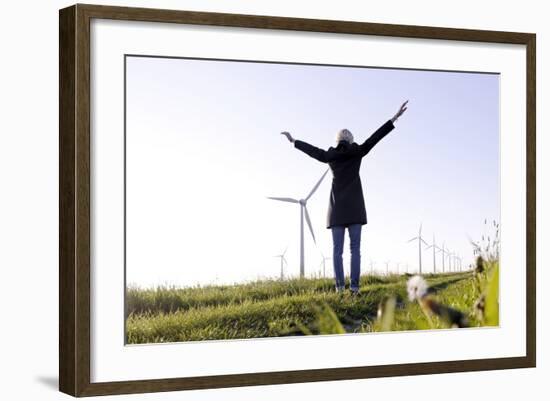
x=417, y=287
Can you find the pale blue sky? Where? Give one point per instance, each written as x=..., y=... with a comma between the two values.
x=204, y=150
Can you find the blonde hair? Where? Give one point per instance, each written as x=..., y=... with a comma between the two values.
x=344, y=135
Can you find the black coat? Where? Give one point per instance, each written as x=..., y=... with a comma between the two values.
x=346, y=204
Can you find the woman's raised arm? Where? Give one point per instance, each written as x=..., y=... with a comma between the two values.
x=382, y=131
x=310, y=150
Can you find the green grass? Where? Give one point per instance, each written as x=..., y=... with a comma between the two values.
x=461, y=295
x=289, y=307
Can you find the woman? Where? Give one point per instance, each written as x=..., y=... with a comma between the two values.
x=346, y=205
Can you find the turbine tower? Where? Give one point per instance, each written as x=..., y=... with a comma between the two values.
x=443, y=253
x=443, y=256
x=283, y=260
x=303, y=211
x=434, y=247
x=323, y=263
x=450, y=255
x=420, y=241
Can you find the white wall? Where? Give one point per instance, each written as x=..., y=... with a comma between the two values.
x=28, y=199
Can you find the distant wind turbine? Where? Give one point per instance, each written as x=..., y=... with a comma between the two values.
x=420, y=241
x=450, y=256
x=323, y=262
x=303, y=211
x=457, y=262
x=387, y=262
x=283, y=260
x=454, y=261
x=371, y=266
x=443, y=252
x=434, y=248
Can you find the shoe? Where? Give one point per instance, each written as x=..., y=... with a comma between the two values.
x=354, y=292
x=340, y=290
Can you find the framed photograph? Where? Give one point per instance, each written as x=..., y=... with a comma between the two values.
x=249, y=200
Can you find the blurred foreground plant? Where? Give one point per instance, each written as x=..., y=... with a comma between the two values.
x=326, y=321
x=486, y=273
x=486, y=307
x=488, y=249
x=385, y=314
x=417, y=289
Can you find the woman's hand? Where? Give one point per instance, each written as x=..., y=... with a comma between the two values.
x=288, y=136
x=399, y=112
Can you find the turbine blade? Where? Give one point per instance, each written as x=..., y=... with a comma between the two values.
x=309, y=224
x=422, y=239
x=412, y=239
x=317, y=185
x=291, y=200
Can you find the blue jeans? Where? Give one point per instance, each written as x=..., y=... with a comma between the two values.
x=338, y=232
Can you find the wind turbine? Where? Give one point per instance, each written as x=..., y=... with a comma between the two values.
x=283, y=260
x=323, y=262
x=420, y=241
x=450, y=255
x=387, y=262
x=434, y=247
x=371, y=266
x=443, y=252
x=303, y=211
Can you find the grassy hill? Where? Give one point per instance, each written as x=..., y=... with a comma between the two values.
x=297, y=307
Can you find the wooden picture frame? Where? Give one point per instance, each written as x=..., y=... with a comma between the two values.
x=74, y=199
